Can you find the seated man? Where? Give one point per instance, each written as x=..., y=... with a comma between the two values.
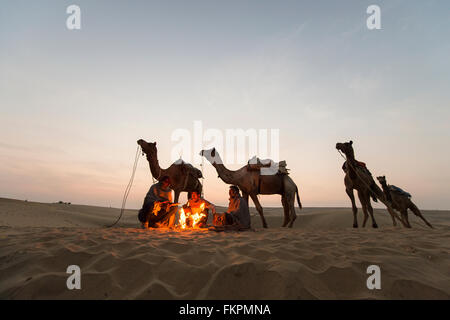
x=158, y=209
x=238, y=212
x=197, y=204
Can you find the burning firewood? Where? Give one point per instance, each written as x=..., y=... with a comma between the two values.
x=191, y=217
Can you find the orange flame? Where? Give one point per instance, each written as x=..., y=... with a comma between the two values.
x=194, y=217
x=156, y=208
x=198, y=216
x=182, y=219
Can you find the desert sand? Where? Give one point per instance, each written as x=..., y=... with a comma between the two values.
x=322, y=257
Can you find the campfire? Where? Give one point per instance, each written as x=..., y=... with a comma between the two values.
x=189, y=218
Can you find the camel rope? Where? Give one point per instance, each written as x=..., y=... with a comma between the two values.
x=128, y=188
x=203, y=177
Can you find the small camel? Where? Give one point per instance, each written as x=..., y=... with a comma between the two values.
x=183, y=176
x=401, y=201
x=252, y=183
x=358, y=177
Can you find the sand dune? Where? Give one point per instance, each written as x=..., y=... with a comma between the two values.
x=321, y=258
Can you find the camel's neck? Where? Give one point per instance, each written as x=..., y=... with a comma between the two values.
x=155, y=169
x=225, y=174
x=386, y=192
x=228, y=176
x=350, y=157
x=350, y=163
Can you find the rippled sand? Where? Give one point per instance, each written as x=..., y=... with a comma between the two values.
x=321, y=258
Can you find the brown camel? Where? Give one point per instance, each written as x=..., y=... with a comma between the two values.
x=252, y=183
x=183, y=176
x=358, y=177
x=401, y=201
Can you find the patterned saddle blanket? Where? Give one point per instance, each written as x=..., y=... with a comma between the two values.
x=398, y=190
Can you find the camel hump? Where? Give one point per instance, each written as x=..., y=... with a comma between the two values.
x=255, y=164
x=193, y=171
x=196, y=173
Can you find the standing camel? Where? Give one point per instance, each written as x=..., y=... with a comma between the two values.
x=401, y=201
x=252, y=183
x=358, y=177
x=183, y=176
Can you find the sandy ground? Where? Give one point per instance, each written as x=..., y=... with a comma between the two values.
x=322, y=257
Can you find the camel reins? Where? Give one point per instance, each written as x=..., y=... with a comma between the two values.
x=127, y=189
x=203, y=177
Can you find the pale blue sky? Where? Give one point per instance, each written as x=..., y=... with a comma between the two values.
x=73, y=103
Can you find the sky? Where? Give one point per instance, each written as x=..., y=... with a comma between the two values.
x=74, y=102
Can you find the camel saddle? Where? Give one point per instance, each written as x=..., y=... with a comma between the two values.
x=255, y=164
x=399, y=190
x=359, y=164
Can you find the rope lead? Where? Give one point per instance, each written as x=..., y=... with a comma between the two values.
x=127, y=189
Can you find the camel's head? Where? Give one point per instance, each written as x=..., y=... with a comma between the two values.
x=148, y=147
x=346, y=148
x=212, y=155
x=210, y=152
x=382, y=179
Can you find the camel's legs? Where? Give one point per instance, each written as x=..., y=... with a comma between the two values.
x=394, y=223
x=405, y=217
x=374, y=223
x=354, y=208
x=291, y=201
x=177, y=195
x=363, y=198
x=285, y=210
x=417, y=212
x=394, y=215
x=245, y=196
x=370, y=209
x=259, y=208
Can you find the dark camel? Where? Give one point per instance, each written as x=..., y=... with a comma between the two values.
x=183, y=176
x=359, y=178
x=401, y=201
